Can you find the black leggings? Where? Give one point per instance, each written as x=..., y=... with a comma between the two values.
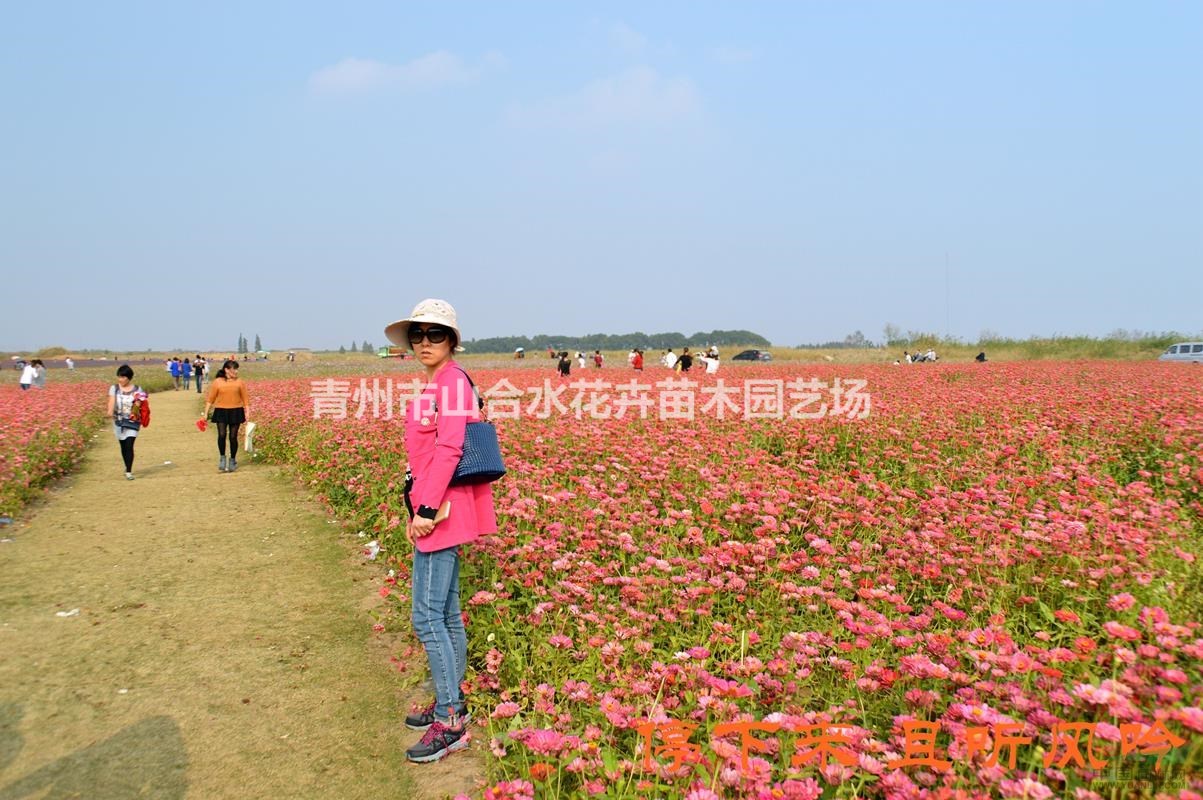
x=127, y=452
x=221, y=438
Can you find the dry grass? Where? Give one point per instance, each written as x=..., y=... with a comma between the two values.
x=221, y=649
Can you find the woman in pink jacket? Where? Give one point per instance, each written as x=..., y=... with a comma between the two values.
x=434, y=441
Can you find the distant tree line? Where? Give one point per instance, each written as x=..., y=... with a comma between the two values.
x=620, y=341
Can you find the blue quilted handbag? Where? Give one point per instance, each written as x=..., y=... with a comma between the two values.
x=481, y=461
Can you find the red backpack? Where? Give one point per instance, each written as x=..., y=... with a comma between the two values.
x=146, y=413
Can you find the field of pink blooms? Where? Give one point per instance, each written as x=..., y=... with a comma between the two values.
x=43, y=434
x=994, y=544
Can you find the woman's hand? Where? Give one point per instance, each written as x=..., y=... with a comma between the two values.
x=422, y=527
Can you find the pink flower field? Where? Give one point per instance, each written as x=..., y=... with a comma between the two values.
x=988, y=587
x=43, y=434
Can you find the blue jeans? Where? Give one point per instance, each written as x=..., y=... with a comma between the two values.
x=440, y=626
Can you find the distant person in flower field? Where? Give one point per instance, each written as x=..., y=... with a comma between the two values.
x=685, y=362
x=231, y=406
x=637, y=361
x=39, y=374
x=124, y=397
x=565, y=365
x=28, y=373
x=598, y=359
x=435, y=427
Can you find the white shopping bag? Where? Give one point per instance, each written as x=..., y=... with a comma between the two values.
x=249, y=445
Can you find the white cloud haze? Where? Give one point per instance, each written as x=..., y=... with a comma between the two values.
x=637, y=96
x=359, y=75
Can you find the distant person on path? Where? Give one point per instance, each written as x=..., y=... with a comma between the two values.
x=186, y=369
x=70, y=363
x=175, y=373
x=28, y=373
x=231, y=406
x=121, y=408
x=434, y=442
x=198, y=368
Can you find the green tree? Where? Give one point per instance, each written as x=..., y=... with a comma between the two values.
x=342, y=350
x=258, y=344
x=366, y=348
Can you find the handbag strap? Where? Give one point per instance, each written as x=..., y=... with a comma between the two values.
x=480, y=403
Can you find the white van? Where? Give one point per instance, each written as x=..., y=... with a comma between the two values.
x=1183, y=351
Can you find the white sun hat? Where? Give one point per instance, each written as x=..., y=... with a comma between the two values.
x=435, y=312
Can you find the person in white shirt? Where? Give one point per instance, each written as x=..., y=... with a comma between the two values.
x=27, y=375
x=670, y=359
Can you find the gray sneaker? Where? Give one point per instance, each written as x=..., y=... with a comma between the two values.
x=221, y=464
x=233, y=465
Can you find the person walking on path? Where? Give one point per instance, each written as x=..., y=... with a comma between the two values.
x=435, y=443
x=198, y=367
x=187, y=370
x=231, y=406
x=175, y=373
x=123, y=397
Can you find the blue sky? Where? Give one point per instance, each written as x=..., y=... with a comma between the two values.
x=176, y=174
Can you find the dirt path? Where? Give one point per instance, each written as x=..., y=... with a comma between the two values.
x=220, y=648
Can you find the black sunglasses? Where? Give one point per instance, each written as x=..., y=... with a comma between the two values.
x=432, y=335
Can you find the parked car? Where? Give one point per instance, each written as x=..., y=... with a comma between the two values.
x=754, y=355
x=1183, y=351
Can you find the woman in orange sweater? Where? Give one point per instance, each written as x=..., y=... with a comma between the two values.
x=231, y=406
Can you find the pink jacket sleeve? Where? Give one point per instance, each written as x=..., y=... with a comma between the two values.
x=457, y=406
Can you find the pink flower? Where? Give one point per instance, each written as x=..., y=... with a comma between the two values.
x=1191, y=717
x=511, y=790
x=505, y=710
x=1121, y=631
x=541, y=740
x=1025, y=788
x=1121, y=602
